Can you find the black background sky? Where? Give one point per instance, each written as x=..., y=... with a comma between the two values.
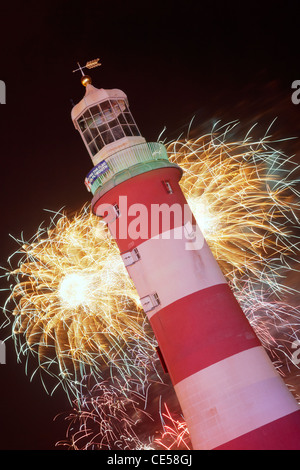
x=216, y=60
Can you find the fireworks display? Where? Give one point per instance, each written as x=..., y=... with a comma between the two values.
x=76, y=310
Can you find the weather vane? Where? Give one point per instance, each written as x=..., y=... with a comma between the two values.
x=91, y=64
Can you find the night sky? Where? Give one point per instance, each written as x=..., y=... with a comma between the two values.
x=212, y=60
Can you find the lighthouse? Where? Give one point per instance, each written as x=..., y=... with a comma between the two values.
x=230, y=394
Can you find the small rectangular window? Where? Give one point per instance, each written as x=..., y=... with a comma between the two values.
x=168, y=186
x=131, y=257
x=127, y=258
x=149, y=302
x=146, y=303
x=156, y=299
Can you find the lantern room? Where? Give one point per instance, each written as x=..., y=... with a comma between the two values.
x=105, y=122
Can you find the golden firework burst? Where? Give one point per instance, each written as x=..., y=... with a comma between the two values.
x=74, y=302
x=245, y=199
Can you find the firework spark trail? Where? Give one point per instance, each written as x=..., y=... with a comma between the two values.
x=175, y=433
x=246, y=203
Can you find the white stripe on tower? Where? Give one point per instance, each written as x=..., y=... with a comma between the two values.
x=233, y=397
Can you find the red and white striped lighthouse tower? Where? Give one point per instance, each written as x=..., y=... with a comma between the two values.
x=230, y=394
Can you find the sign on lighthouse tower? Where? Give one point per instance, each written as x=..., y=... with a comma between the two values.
x=229, y=392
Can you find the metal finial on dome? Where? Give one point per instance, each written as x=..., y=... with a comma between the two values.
x=86, y=79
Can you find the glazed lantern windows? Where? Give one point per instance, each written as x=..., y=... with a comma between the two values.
x=105, y=123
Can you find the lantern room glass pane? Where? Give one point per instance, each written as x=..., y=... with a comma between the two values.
x=107, y=110
x=87, y=136
x=134, y=130
x=99, y=142
x=97, y=116
x=123, y=106
x=81, y=123
x=93, y=148
x=84, y=120
x=94, y=131
x=127, y=130
x=102, y=128
x=113, y=123
x=116, y=107
x=122, y=119
x=129, y=118
x=94, y=110
x=117, y=132
x=107, y=137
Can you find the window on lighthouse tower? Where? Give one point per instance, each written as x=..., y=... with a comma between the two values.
x=105, y=123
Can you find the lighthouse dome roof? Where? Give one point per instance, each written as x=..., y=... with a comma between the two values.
x=93, y=96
